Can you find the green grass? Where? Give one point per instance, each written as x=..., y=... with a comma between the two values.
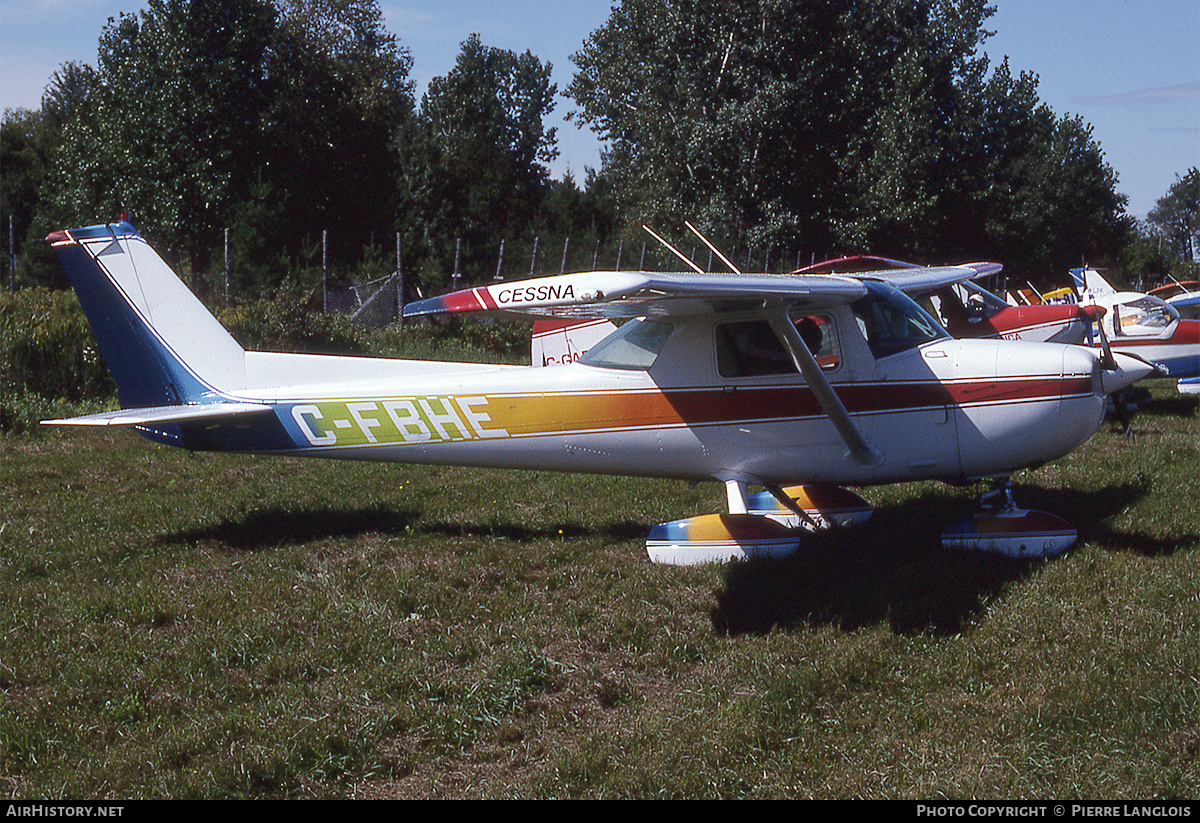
x=178, y=625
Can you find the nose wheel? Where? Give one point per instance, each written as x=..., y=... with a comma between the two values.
x=1000, y=526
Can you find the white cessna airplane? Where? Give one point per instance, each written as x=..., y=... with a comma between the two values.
x=796, y=384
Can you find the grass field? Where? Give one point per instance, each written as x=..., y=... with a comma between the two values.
x=181, y=625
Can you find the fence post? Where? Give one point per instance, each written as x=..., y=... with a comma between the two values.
x=456, y=277
x=399, y=283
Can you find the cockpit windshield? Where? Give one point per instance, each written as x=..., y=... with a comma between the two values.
x=892, y=322
x=1146, y=315
x=635, y=345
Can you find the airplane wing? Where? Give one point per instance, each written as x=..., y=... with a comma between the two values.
x=923, y=280
x=910, y=278
x=856, y=263
x=639, y=294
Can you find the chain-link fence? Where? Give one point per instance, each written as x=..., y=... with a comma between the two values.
x=380, y=301
x=375, y=304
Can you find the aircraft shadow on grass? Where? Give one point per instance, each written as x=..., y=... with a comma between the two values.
x=893, y=570
x=265, y=529
x=890, y=570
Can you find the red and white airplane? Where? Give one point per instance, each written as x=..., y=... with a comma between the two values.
x=1142, y=324
x=797, y=384
x=966, y=309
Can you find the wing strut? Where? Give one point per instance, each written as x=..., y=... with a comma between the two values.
x=861, y=451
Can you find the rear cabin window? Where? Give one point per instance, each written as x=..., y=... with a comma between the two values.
x=750, y=348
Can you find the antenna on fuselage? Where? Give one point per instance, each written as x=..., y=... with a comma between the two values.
x=673, y=250
x=712, y=248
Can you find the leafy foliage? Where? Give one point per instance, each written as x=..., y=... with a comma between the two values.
x=841, y=126
x=161, y=126
x=1176, y=217
x=50, y=358
x=483, y=127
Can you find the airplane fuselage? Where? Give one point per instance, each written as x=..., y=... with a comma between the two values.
x=948, y=409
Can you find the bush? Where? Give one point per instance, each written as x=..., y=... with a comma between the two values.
x=51, y=366
x=49, y=349
x=286, y=322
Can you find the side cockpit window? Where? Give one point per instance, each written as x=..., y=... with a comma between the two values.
x=750, y=348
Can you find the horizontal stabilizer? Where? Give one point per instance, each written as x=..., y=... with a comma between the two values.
x=161, y=415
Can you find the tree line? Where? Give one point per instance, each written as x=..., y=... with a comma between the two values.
x=821, y=127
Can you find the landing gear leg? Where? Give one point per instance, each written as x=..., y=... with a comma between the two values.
x=999, y=499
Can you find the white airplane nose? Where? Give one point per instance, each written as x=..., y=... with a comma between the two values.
x=1125, y=370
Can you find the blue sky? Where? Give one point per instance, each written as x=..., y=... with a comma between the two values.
x=1129, y=68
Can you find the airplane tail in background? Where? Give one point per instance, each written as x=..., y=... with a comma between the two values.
x=162, y=345
x=1088, y=281
x=559, y=342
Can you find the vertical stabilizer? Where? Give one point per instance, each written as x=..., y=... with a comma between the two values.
x=558, y=342
x=1089, y=284
x=160, y=342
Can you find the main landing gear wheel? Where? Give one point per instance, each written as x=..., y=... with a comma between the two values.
x=767, y=529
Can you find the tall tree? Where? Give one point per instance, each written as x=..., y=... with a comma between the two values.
x=163, y=130
x=840, y=126
x=1028, y=187
x=278, y=119
x=340, y=100
x=761, y=119
x=488, y=144
x=1176, y=217
x=22, y=167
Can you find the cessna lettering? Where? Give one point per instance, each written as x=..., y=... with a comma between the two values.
x=536, y=294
